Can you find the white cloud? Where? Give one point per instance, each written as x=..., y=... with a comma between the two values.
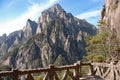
x=33, y=13
x=89, y=14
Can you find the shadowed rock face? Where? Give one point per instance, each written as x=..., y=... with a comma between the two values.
x=58, y=36
x=111, y=15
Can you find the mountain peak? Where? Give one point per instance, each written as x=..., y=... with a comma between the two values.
x=58, y=36
x=55, y=9
x=28, y=20
x=54, y=12
x=30, y=28
x=57, y=6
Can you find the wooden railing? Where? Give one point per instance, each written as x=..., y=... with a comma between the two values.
x=51, y=73
x=107, y=71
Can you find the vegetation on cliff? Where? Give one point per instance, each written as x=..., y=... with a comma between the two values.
x=104, y=46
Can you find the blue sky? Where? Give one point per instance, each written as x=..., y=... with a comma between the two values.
x=14, y=13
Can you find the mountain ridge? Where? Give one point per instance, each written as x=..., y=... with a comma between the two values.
x=56, y=36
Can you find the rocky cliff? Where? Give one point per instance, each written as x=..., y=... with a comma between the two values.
x=111, y=15
x=57, y=38
x=14, y=39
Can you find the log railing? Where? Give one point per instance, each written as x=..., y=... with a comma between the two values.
x=108, y=71
x=72, y=71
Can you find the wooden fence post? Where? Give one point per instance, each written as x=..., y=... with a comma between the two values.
x=15, y=74
x=79, y=65
x=51, y=72
x=77, y=70
x=112, y=71
x=91, y=69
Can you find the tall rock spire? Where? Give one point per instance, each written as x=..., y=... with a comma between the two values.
x=30, y=28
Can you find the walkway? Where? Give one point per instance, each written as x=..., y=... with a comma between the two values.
x=91, y=78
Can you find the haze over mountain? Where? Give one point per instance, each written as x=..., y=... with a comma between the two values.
x=57, y=38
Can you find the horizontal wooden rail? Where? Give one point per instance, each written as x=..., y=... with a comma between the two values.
x=51, y=71
x=108, y=71
x=101, y=64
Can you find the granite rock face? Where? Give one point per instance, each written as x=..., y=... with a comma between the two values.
x=111, y=15
x=14, y=39
x=30, y=29
x=58, y=38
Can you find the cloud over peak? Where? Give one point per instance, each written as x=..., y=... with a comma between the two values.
x=89, y=14
x=33, y=12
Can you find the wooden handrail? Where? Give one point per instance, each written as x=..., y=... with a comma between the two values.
x=104, y=70
x=37, y=70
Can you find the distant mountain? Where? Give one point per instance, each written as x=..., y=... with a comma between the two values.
x=14, y=39
x=58, y=38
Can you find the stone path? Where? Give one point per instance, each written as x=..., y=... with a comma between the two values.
x=91, y=78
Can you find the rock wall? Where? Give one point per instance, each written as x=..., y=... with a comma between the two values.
x=111, y=15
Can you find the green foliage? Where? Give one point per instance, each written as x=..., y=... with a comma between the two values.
x=60, y=61
x=96, y=47
x=5, y=68
x=39, y=37
x=84, y=70
x=101, y=23
x=98, y=58
x=95, y=57
x=40, y=77
x=102, y=46
x=59, y=73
